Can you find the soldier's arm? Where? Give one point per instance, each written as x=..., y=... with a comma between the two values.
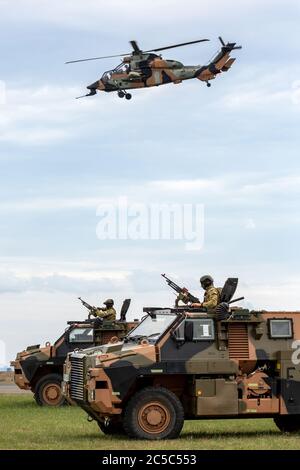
x=107, y=313
x=98, y=312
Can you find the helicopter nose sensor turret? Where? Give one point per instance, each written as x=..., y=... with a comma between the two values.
x=93, y=88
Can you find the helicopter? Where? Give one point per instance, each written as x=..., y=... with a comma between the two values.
x=143, y=69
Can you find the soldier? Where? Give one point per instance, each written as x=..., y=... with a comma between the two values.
x=212, y=294
x=107, y=313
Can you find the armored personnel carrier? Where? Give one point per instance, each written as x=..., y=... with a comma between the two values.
x=186, y=363
x=40, y=369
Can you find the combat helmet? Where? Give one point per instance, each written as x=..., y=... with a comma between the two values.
x=206, y=281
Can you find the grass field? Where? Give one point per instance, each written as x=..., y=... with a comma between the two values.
x=24, y=425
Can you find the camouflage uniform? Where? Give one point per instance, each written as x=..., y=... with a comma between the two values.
x=211, y=297
x=106, y=313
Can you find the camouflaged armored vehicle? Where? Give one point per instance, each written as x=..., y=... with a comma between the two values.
x=184, y=363
x=40, y=369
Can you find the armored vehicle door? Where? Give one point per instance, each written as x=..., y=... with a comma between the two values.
x=291, y=387
x=192, y=349
x=80, y=336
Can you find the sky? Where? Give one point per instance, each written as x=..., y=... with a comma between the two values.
x=232, y=149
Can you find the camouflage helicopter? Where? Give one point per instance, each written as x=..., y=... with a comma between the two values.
x=142, y=69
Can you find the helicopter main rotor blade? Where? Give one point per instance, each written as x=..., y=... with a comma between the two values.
x=176, y=45
x=97, y=58
x=135, y=46
x=137, y=50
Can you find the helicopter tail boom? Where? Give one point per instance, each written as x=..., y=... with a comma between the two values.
x=222, y=62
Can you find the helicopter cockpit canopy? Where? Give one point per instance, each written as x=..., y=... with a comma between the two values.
x=121, y=68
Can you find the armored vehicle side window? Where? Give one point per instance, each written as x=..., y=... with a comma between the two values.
x=280, y=328
x=81, y=335
x=204, y=330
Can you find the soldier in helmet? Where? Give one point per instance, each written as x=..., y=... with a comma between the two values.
x=212, y=294
x=106, y=313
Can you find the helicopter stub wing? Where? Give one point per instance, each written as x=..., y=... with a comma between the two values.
x=228, y=64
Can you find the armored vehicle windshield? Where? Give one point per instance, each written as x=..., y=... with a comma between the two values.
x=152, y=326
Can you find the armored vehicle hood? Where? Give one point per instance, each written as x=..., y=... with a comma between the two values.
x=141, y=354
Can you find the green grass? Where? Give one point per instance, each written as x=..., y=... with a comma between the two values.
x=24, y=425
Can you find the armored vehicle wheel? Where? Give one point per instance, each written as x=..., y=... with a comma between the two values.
x=111, y=428
x=288, y=423
x=48, y=391
x=153, y=413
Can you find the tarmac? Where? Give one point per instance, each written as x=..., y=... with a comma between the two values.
x=11, y=389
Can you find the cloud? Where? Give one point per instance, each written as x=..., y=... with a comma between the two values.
x=233, y=190
x=90, y=10
x=53, y=204
x=233, y=187
x=187, y=185
x=264, y=90
x=74, y=282
x=90, y=13
x=250, y=224
x=44, y=115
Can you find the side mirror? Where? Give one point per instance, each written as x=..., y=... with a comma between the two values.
x=188, y=330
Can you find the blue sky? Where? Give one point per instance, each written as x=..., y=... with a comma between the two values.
x=233, y=148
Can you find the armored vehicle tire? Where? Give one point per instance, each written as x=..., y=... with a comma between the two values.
x=48, y=391
x=153, y=413
x=288, y=423
x=111, y=428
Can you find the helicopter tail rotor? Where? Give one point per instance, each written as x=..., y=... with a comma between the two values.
x=221, y=41
x=230, y=46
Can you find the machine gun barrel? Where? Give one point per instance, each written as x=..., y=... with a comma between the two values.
x=190, y=297
x=86, y=305
x=236, y=300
